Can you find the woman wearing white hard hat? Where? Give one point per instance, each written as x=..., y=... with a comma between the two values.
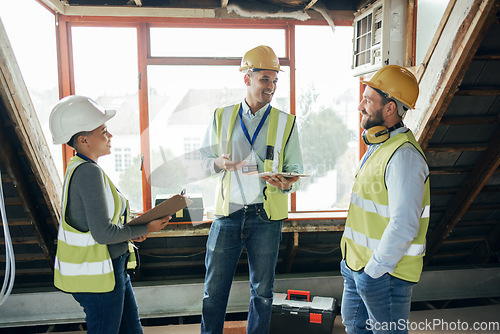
x=94, y=244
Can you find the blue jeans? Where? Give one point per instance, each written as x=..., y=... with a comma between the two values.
x=115, y=311
x=370, y=305
x=248, y=227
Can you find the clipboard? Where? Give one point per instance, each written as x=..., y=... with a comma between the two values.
x=284, y=174
x=166, y=208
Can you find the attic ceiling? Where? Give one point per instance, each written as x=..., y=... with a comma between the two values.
x=351, y=5
x=459, y=130
x=329, y=10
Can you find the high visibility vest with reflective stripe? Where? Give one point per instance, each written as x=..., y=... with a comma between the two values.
x=280, y=128
x=82, y=264
x=369, y=216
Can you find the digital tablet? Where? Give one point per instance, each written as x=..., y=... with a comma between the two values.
x=284, y=174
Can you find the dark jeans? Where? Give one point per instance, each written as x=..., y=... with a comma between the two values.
x=379, y=306
x=112, y=312
x=248, y=227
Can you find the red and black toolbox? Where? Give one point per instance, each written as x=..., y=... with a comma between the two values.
x=295, y=312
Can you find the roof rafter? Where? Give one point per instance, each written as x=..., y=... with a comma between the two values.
x=468, y=21
x=450, y=58
x=464, y=198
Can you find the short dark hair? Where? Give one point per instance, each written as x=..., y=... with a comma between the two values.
x=74, y=138
x=384, y=96
x=386, y=99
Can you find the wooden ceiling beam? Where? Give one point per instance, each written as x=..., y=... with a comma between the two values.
x=12, y=201
x=484, y=207
x=21, y=241
x=31, y=272
x=449, y=170
x=484, y=169
x=470, y=120
x=17, y=222
x=495, y=56
x=310, y=4
x=455, y=254
x=443, y=191
x=477, y=91
x=476, y=147
x=26, y=257
x=463, y=240
x=455, y=171
x=474, y=223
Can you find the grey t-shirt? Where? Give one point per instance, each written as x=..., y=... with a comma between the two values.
x=87, y=210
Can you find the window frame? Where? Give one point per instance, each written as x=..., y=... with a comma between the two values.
x=64, y=24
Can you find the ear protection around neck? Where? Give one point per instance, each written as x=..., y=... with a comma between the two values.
x=378, y=134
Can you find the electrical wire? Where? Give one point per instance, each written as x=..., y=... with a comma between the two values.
x=10, y=262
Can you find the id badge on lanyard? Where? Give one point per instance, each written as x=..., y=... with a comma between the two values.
x=251, y=165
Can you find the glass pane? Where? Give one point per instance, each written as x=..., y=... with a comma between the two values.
x=429, y=16
x=34, y=47
x=105, y=65
x=182, y=100
x=328, y=120
x=211, y=42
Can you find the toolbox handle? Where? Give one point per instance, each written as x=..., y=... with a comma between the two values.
x=291, y=293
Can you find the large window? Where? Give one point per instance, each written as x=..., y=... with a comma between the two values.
x=105, y=69
x=34, y=47
x=166, y=84
x=213, y=42
x=328, y=119
x=180, y=112
x=429, y=15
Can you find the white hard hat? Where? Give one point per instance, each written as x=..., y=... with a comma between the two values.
x=73, y=114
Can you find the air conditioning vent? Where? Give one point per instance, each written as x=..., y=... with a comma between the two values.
x=379, y=35
x=377, y=26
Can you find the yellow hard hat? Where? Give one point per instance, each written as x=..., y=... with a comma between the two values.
x=261, y=57
x=397, y=82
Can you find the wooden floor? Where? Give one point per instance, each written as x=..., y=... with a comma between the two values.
x=446, y=321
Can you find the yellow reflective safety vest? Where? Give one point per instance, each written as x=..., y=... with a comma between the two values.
x=279, y=131
x=368, y=214
x=82, y=264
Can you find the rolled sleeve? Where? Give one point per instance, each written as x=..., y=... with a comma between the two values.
x=209, y=151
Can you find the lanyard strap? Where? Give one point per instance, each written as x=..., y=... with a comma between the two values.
x=244, y=128
x=367, y=155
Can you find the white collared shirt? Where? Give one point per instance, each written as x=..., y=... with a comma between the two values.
x=247, y=189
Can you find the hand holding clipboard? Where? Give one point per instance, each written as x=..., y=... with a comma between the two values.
x=164, y=209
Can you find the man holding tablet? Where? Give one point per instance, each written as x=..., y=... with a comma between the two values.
x=242, y=141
